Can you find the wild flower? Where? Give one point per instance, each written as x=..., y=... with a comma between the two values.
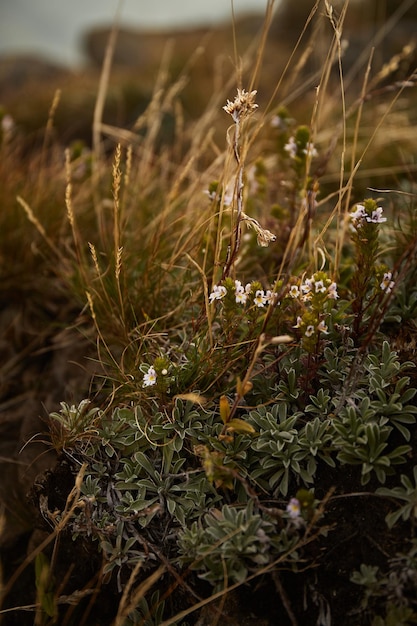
x=310, y=150
x=316, y=284
x=376, y=216
x=332, y=291
x=213, y=193
x=241, y=295
x=264, y=236
x=263, y=298
x=299, y=322
x=309, y=331
x=361, y=215
x=367, y=277
x=278, y=122
x=291, y=148
x=319, y=287
x=298, y=145
x=322, y=327
x=219, y=291
x=149, y=378
x=270, y=297
x=294, y=508
x=306, y=290
x=259, y=299
x=242, y=106
x=387, y=284
x=358, y=214
x=314, y=295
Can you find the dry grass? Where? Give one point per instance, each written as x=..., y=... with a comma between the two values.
x=126, y=234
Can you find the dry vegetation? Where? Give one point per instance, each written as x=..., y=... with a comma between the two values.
x=229, y=278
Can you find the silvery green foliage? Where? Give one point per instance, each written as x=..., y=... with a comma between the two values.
x=390, y=596
x=351, y=420
x=406, y=494
x=147, y=491
x=231, y=543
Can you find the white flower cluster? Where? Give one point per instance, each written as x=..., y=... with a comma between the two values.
x=360, y=215
x=311, y=286
x=227, y=196
x=311, y=329
x=262, y=298
x=291, y=148
x=314, y=291
x=387, y=284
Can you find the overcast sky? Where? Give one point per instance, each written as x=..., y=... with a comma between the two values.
x=53, y=27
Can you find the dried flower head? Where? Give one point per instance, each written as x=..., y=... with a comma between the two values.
x=263, y=236
x=242, y=106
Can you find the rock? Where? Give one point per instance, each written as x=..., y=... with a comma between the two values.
x=17, y=71
x=144, y=48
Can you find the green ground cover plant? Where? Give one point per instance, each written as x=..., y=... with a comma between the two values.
x=242, y=448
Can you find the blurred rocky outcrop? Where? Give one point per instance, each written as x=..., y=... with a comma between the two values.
x=206, y=56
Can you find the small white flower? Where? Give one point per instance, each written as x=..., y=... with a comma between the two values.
x=332, y=291
x=306, y=289
x=259, y=298
x=359, y=214
x=241, y=296
x=149, y=379
x=309, y=330
x=278, y=122
x=228, y=196
x=212, y=195
x=310, y=150
x=387, y=284
x=376, y=217
x=294, y=508
x=308, y=285
x=270, y=297
x=291, y=148
x=219, y=291
x=319, y=287
x=248, y=288
x=299, y=322
x=322, y=328
x=294, y=291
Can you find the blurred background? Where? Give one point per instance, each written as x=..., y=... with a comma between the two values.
x=54, y=28
x=51, y=46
